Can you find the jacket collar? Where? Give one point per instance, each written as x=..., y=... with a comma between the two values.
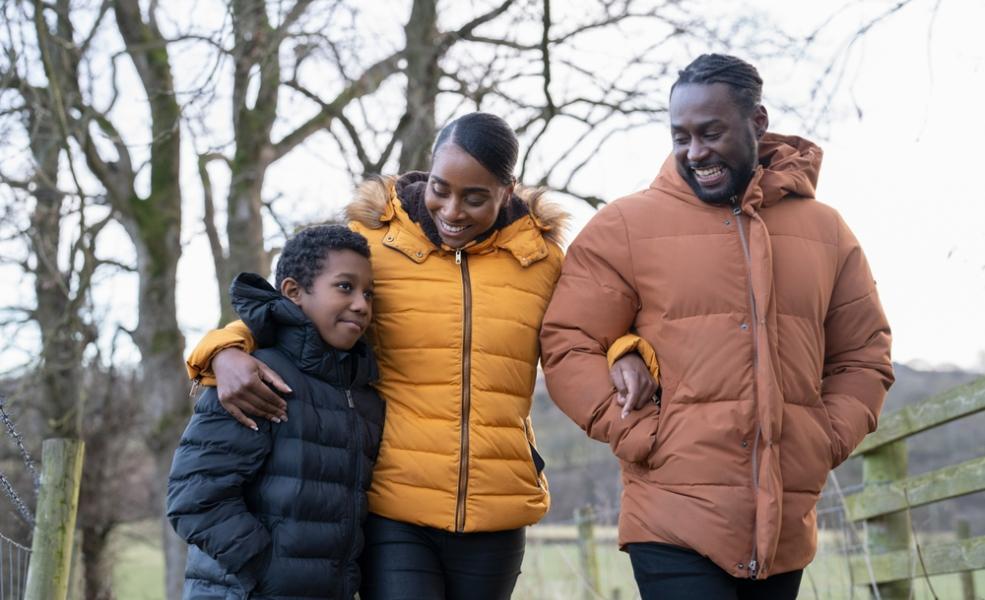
x=277, y=322
x=523, y=229
x=788, y=168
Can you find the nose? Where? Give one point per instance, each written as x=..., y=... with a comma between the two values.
x=452, y=210
x=359, y=304
x=696, y=150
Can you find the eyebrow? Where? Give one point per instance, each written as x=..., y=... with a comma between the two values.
x=466, y=190
x=701, y=125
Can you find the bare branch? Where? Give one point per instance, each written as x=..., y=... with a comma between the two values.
x=366, y=83
x=211, y=231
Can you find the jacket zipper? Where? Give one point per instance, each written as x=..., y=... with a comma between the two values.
x=737, y=211
x=463, y=459
x=356, y=485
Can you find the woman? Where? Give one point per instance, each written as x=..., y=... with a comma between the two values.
x=464, y=267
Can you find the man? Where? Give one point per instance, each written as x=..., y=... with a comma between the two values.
x=772, y=344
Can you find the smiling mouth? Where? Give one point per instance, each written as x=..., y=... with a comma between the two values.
x=449, y=228
x=358, y=324
x=709, y=175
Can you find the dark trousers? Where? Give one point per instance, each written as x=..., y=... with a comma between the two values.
x=409, y=562
x=665, y=572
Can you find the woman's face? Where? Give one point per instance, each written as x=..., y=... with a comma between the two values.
x=462, y=197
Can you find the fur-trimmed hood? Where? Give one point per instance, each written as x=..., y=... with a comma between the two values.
x=374, y=205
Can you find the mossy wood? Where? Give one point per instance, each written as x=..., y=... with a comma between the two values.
x=51, y=551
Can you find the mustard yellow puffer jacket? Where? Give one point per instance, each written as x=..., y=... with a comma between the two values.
x=456, y=338
x=457, y=342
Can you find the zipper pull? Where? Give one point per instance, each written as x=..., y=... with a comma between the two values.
x=348, y=396
x=458, y=256
x=736, y=209
x=753, y=567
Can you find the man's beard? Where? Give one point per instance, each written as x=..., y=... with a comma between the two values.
x=725, y=195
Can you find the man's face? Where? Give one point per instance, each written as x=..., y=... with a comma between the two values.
x=715, y=144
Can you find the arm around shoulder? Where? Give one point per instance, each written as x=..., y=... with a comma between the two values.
x=233, y=335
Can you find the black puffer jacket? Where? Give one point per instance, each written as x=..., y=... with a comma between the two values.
x=277, y=514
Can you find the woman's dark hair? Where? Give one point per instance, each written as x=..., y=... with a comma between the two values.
x=486, y=138
x=742, y=78
x=304, y=255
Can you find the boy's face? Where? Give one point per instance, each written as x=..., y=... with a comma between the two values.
x=340, y=301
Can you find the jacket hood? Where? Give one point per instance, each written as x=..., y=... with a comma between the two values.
x=276, y=321
x=377, y=199
x=788, y=168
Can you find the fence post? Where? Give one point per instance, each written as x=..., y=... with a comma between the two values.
x=967, y=577
x=889, y=532
x=585, y=520
x=54, y=529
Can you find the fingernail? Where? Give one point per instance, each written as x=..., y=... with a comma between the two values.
x=284, y=418
x=275, y=420
x=255, y=428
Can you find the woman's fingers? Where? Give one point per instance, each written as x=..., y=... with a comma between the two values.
x=243, y=419
x=639, y=385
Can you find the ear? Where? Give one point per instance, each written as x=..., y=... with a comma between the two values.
x=508, y=192
x=760, y=121
x=291, y=289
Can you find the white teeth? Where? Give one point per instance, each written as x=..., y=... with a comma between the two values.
x=708, y=171
x=451, y=228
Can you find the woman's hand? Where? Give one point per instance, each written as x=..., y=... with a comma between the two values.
x=246, y=387
x=635, y=385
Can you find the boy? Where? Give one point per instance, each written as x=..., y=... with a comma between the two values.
x=277, y=512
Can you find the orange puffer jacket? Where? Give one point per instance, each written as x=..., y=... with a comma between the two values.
x=773, y=349
x=456, y=338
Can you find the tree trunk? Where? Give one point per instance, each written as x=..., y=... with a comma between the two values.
x=154, y=225
x=63, y=335
x=163, y=379
x=422, y=86
x=97, y=563
x=256, y=54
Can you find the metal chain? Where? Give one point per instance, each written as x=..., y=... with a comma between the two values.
x=19, y=442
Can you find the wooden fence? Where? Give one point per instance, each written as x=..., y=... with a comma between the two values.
x=893, y=559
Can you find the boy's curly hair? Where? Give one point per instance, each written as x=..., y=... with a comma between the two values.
x=304, y=255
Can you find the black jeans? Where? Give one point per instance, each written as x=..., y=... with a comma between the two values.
x=665, y=572
x=410, y=562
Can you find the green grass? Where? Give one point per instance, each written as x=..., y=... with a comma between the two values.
x=139, y=573
x=550, y=571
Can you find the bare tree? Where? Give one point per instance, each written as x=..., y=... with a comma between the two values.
x=152, y=217
x=379, y=88
x=371, y=83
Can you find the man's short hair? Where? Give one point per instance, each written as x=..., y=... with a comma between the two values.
x=742, y=78
x=304, y=255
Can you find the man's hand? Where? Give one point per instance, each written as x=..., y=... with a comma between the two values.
x=242, y=384
x=635, y=385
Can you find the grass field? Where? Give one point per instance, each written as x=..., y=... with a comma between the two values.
x=550, y=572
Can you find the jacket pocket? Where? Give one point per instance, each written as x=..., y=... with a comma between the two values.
x=536, y=460
x=836, y=457
x=251, y=576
